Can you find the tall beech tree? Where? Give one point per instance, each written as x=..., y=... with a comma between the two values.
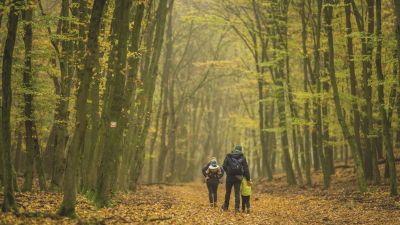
x=114, y=101
x=328, y=14
x=9, y=203
x=62, y=109
x=85, y=72
x=31, y=134
x=307, y=144
x=386, y=126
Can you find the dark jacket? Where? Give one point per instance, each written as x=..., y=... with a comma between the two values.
x=242, y=159
x=212, y=177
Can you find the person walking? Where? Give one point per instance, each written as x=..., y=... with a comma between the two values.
x=236, y=167
x=212, y=173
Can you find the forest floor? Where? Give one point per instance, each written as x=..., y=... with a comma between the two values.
x=272, y=203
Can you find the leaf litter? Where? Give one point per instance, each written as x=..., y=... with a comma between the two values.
x=272, y=203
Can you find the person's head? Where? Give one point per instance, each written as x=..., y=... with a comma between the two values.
x=213, y=167
x=213, y=159
x=238, y=149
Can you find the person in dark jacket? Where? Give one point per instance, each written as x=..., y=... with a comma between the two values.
x=212, y=173
x=236, y=167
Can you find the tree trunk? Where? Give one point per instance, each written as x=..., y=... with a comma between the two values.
x=153, y=140
x=295, y=130
x=370, y=160
x=149, y=81
x=371, y=150
x=281, y=8
x=262, y=108
x=171, y=103
x=353, y=80
x=166, y=113
x=32, y=143
x=130, y=87
x=320, y=136
x=1, y=10
x=114, y=103
x=18, y=151
x=48, y=156
x=316, y=134
x=62, y=108
x=338, y=106
x=307, y=145
x=91, y=152
x=9, y=203
x=172, y=133
x=14, y=150
x=67, y=207
x=327, y=147
x=386, y=126
x=397, y=27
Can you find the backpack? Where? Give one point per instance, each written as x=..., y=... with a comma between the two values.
x=213, y=173
x=235, y=166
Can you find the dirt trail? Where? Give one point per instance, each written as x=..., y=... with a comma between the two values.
x=187, y=204
x=273, y=209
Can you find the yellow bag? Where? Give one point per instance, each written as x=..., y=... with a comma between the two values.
x=245, y=187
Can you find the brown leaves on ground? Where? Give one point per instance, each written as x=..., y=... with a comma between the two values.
x=272, y=203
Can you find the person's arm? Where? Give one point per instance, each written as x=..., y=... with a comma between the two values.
x=205, y=169
x=222, y=173
x=225, y=165
x=246, y=169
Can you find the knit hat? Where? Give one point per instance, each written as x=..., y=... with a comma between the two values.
x=213, y=165
x=238, y=149
x=213, y=159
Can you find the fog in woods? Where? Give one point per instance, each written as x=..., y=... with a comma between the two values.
x=105, y=103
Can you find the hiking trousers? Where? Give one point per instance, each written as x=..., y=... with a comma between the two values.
x=245, y=202
x=236, y=185
x=212, y=191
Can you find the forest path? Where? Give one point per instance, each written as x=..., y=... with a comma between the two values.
x=188, y=204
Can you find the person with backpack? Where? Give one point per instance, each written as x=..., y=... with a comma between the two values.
x=212, y=173
x=236, y=167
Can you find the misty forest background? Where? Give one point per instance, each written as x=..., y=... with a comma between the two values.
x=101, y=96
